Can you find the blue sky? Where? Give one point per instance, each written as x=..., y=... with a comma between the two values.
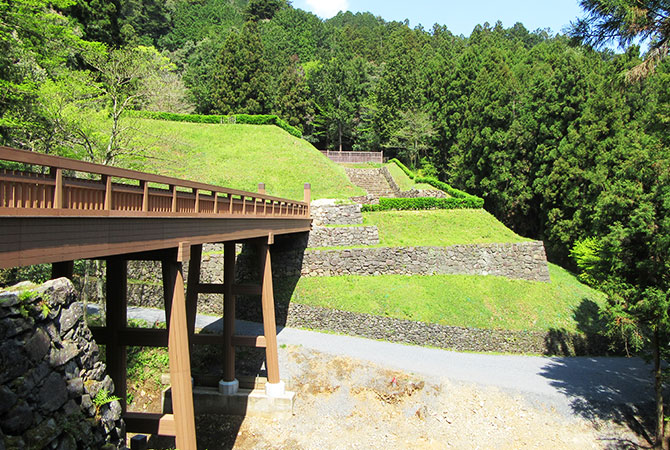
x=459, y=16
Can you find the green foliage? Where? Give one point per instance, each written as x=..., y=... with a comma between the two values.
x=258, y=119
x=399, y=204
x=404, y=168
x=241, y=79
x=103, y=398
x=262, y=9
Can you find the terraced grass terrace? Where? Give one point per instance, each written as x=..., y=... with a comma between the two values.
x=487, y=302
x=439, y=228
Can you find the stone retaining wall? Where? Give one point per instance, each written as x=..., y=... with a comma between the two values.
x=416, y=193
x=525, y=260
x=50, y=373
x=343, y=236
x=554, y=342
x=326, y=212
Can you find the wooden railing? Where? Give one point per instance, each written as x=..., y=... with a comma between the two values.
x=63, y=186
x=354, y=157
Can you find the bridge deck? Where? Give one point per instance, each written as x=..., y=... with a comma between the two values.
x=80, y=210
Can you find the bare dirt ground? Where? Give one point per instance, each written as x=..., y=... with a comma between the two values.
x=349, y=404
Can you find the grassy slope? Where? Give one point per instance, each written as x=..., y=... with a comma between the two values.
x=404, y=182
x=458, y=300
x=241, y=156
x=439, y=228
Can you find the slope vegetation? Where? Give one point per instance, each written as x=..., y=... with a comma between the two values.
x=240, y=157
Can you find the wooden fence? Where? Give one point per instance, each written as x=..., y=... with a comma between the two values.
x=354, y=157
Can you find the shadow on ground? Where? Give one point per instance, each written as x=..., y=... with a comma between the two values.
x=614, y=388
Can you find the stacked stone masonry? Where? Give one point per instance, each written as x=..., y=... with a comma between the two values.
x=343, y=236
x=372, y=180
x=327, y=212
x=50, y=373
x=525, y=261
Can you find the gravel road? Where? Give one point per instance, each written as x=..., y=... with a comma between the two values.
x=590, y=387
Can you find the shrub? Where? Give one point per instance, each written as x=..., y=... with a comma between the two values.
x=259, y=119
x=470, y=200
x=387, y=204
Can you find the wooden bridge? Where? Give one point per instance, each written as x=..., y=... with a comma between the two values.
x=57, y=210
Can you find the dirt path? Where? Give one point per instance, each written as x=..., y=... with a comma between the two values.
x=345, y=403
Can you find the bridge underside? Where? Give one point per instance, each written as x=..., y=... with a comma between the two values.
x=28, y=240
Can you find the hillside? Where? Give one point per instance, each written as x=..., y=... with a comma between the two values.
x=240, y=157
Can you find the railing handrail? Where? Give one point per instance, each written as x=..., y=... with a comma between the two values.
x=29, y=157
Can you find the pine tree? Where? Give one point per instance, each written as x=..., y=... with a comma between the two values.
x=293, y=98
x=241, y=81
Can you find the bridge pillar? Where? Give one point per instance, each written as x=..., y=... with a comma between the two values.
x=229, y=384
x=274, y=386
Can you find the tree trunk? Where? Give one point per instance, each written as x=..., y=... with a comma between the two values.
x=339, y=135
x=658, y=388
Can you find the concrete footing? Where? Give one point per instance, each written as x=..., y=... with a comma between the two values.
x=245, y=402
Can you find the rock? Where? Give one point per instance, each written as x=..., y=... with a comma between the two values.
x=12, y=360
x=53, y=393
x=75, y=387
x=60, y=356
x=7, y=399
x=10, y=327
x=43, y=434
x=87, y=404
x=17, y=420
x=38, y=345
x=67, y=442
x=10, y=298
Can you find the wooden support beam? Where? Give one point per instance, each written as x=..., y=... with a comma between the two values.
x=58, y=190
x=62, y=269
x=161, y=424
x=228, y=311
x=178, y=350
x=116, y=307
x=193, y=287
x=269, y=325
x=249, y=341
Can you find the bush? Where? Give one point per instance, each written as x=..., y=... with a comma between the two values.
x=387, y=204
x=259, y=119
x=470, y=200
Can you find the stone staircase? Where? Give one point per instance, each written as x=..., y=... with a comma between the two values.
x=374, y=181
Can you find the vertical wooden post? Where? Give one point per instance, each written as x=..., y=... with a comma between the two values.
x=62, y=269
x=116, y=306
x=197, y=200
x=228, y=311
x=216, y=202
x=192, y=287
x=261, y=188
x=307, y=196
x=108, y=192
x=145, y=195
x=58, y=191
x=269, y=325
x=180, y=362
x=168, y=286
x=174, y=198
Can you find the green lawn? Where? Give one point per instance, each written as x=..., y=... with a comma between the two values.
x=241, y=156
x=488, y=302
x=439, y=227
x=404, y=182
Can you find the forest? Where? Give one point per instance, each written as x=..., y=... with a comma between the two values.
x=567, y=141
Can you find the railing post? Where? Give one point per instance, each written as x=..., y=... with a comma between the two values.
x=216, y=202
x=197, y=200
x=58, y=191
x=174, y=197
x=307, y=197
x=108, y=192
x=145, y=196
x=261, y=188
